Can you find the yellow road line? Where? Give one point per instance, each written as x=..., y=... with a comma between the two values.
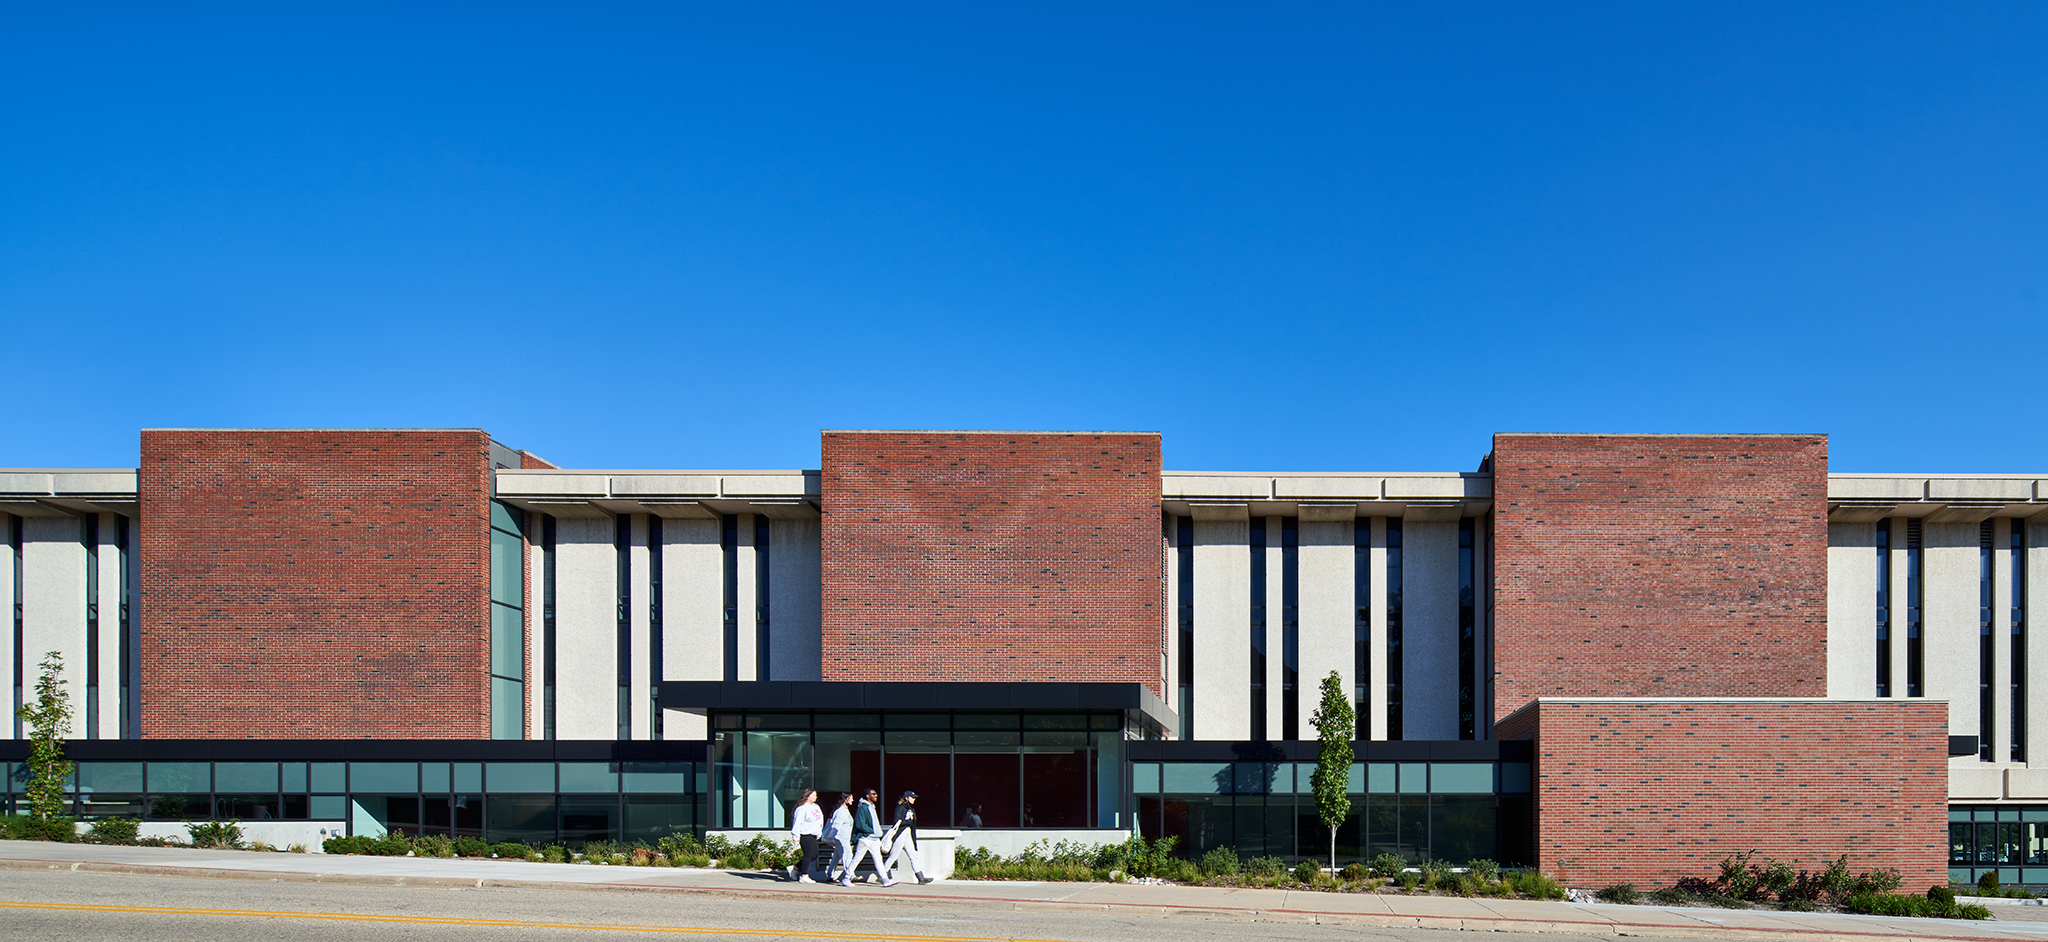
x=503, y=923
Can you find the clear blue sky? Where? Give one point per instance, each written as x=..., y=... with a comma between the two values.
x=1289, y=237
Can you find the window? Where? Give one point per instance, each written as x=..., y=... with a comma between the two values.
x=761, y=646
x=1884, y=608
x=1468, y=641
x=1915, y=648
x=622, y=542
x=654, y=647
x=547, y=614
x=1258, y=628
x=1393, y=628
x=2017, y=628
x=1361, y=623
x=89, y=535
x=508, y=622
x=1987, y=647
x=1184, y=538
x=729, y=542
x=1290, y=628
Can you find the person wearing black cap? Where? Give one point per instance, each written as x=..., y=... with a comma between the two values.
x=903, y=839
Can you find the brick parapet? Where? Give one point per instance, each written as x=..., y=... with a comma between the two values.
x=957, y=556
x=315, y=584
x=1659, y=565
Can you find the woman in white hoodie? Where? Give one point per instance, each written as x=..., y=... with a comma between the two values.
x=804, y=827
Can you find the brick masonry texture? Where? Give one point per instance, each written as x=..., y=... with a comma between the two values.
x=315, y=584
x=992, y=557
x=1649, y=792
x=1644, y=565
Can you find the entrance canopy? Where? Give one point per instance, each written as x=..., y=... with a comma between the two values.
x=1141, y=708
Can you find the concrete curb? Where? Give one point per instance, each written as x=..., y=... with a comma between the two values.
x=1314, y=917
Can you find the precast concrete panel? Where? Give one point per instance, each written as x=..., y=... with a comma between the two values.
x=586, y=629
x=1852, y=603
x=109, y=552
x=53, y=606
x=1949, y=594
x=1429, y=629
x=2001, y=636
x=9, y=657
x=1376, y=651
x=795, y=633
x=640, y=697
x=693, y=627
x=745, y=591
x=2037, y=645
x=1222, y=629
x=1328, y=613
x=1276, y=629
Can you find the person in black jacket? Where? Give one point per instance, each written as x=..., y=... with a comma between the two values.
x=903, y=840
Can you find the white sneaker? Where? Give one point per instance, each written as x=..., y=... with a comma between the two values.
x=806, y=878
x=890, y=882
x=846, y=883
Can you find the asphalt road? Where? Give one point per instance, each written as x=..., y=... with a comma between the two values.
x=38, y=905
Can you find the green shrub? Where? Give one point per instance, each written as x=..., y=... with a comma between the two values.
x=1387, y=866
x=1886, y=904
x=390, y=845
x=1533, y=884
x=1409, y=880
x=1672, y=896
x=1942, y=895
x=1220, y=862
x=1459, y=884
x=472, y=847
x=220, y=834
x=1434, y=872
x=434, y=845
x=25, y=828
x=554, y=853
x=346, y=845
x=114, y=831
x=1776, y=878
x=1307, y=871
x=1798, y=904
x=1619, y=893
x=1988, y=881
x=1265, y=866
x=1485, y=870
x=512, y=849
x=1355, y=872
x=1736, y=881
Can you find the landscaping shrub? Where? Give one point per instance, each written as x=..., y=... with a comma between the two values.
x=1307, y=871
x=1619, y=893
x=434, y=845
x=346, y=845
x=512, y=849
x=1942, y=895
x=556, y=853
x=1887, y=904
x=114, y=831
x=1265, y=866
x=1988, y=881
x=25, y=828
x=472, y=847
x=1221, y=861
x=1672, y=896
x=217, y=834
x=1409, y=880
x=1388, y=866
x=1531, y=883
x=1485, y=870
x=1354, y=872
x=390, y=845
x=1434, y=872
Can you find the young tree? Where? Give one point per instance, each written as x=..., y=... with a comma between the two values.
x=49, y=719
x=1336, y=724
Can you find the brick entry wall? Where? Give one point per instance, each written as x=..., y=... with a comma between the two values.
x=1659, y=566
x=992, y=556
x=1647, y=792
x=315, y=584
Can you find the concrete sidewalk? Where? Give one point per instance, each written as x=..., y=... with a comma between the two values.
x=1390, y=910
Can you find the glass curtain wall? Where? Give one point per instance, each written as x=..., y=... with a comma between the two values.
x=1009, y=770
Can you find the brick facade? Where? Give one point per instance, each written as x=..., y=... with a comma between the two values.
x=958, y=556
x=1660, y=566
x=315, y=584
x=1649, y=792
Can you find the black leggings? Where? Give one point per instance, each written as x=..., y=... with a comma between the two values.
x=809, y=855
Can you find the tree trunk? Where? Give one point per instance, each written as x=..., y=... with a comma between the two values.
x=1333, y=851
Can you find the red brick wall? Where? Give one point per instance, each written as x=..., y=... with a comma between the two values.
x=976, y=556
x=315, y=584
x=1649, y=792
x=1662, y=566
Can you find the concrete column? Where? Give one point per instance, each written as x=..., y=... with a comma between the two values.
x=536, y=651
x=1900, y=610
x=10, y=659
x=796, y=607
x=1375, y=720
x=53, y=607
x=640, y=700
x=1429, y=629
x=1949, y=594
x=2001, y=639
x=1328, y=609
x=1852, y=603
x=1172, y=621
x=1276, y=634
x=1222, y=623
x=109, y=552
x=586, y=628
x=692, y=615
x=2036, y=617
x=744, y=599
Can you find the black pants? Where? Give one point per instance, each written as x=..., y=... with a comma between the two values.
x=807, y=859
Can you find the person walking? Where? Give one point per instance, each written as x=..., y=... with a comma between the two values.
x=972, y=819
x=838, y=834
x=903, y=839
x=867, y=839
x=804, y=827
